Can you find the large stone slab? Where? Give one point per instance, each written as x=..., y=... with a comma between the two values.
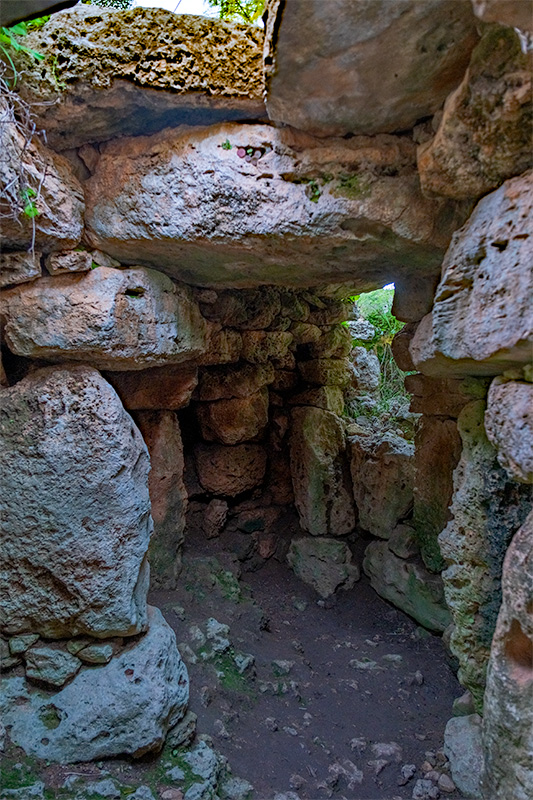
x=123, y=708
x=114, y=319
x=336, y=67
x=382, y=470
x=28, y=166
x=485, y=133
x=160, y=388
x=168, y=496
x=75, y=508
x=300, y=212
x=320, y=473
x=481, y=322
x=407, y=585
x=137, y=71
x=508, y=709
x=509, y=426
x=487, y=509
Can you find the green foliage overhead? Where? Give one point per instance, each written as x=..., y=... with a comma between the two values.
x=121, y=4
x=10, y=43
x=239, y=10
x=376, y=308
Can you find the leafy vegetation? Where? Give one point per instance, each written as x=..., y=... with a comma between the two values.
x=120, y=4
x=249, y=11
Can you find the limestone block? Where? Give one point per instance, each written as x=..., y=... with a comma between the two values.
x=74, y=477
x=240, y=381
x=247, y=310
x=234, y=420
x=301, y=212
x=68, y=261
x=400, y=347
x=487, y=509
x=168, y=496
x=123, y=708
x=335, y=342
x=326, y=371
x=367, y=372
x=325, y=564
x=50, y=666
x=407, y=585
x=320, y=474
x=382, y=468
x=481, y=322
x=331, y=398
x=58, y=194
x=508, y=708
x=223, y=347
x=485, y=133
x=114, y=319
x=118, y=75
x=443, y=397
x=19, y=268
x=462, y=746
x=327, y=69
x=230, y=470
x=166, y=388
x=260, y=346
x=509, y=426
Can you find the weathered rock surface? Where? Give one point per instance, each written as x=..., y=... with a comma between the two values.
x=302, y=210
x=168, y=496
x=485, y=133
x=50, y=666
x=320, y=473
x=382, y=470
x=509, y=426
x=325, y=66
x=167, y=388
x=462, y=746
x=114, y=319
x=234, y=420
x=68, y=261
x=330, y=398
x=241, y=381
x=19, y=268
x=58, y=194
x=75, y=545
x=109, y=73
x=487, y=509
x=125, y=707
x=407, y=585
x=367, y=371
x=481, y=322
x=508, y=708
x=230, y=470
x=325, y=564
x=515, y=13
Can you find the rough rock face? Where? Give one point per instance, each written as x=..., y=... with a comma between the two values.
x=325, y=564
x=508, y=709
x=382, y=470
x=75, y=547
x=320, y=475
x=407, y=585
x=462, y=746
x=109, y=73
x=161, y=432
x=234, y=420
x=509, y=426
x=114, y=319
x=123, y=708
x=230, y=470
x=515, y=13
x=19, y=268
x=487, y=509
x=367, y=370
x=301, y=210
x=485, y=133
x=59, y=200
x=160, y=388
x=481, y=323
x=325, y=66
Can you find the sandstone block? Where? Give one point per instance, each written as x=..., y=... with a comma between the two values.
x=68, y=261
x=239, y=381
x=485, y=133
x=320, y=475
x=382, y=470
x=508, y=708
x=114, y=319
x=325, y=66
x=481, y=322
x=76, y=546
x=19, y=268
x=407, y=585
x=230, y=470
x=325, y=564
x=123, y=708
x=160, y=388
x=509, y=426
x=302, y=212
x=109, y=84
x=168, y=496
x=234, y=420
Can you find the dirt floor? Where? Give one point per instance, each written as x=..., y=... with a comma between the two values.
x=319, y=698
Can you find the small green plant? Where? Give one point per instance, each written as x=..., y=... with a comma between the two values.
x=249, y=11
x=226, y=145
x=28, y=196
x=9, y=44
